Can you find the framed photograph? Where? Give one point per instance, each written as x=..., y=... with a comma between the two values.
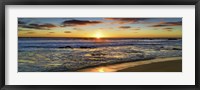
x=99, y=44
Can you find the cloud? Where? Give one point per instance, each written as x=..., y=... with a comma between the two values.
x=159, y=25
x=163, y=24
x=46, y=26
x=23, y=30
x=67, y=32
x=77, y=29
x=168, y=29
x=101, y=28
x=51, y=32
x=109, y=28
x=124, y=27
x=21, y=22
x=126, y=20
x=79, y=23
x=135, y=28
x=174, y=23
x=129, y=28
x=30, y=32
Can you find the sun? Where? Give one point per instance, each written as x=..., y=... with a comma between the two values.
x=101, y=70
x=98, y=35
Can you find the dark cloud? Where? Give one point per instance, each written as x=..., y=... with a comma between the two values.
x=67, y=32
x=159, y=25
x=21, y=22
x=168, y=29
x=163, y=24
x=79, y=23
x=126, y=20
x=46, y=26
x=129, y=27
x=33, y=24
x=125, y=27
x=23, y=30
x=174, y=23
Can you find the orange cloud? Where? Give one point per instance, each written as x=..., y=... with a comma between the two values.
x=125, y=20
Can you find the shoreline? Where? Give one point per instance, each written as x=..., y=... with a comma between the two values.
x=172, y=64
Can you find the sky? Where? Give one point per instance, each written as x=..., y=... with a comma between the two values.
x=100, y=27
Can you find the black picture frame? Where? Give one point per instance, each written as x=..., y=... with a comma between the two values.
x=98, y=2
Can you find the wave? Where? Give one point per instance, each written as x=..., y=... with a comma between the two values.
x=79, y=43
x=72, y=54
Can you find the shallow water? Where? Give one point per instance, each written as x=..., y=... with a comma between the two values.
x=65, y=54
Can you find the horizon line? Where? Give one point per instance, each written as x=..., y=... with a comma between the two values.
x=105, y=37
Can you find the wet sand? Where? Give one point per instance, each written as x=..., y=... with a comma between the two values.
x=173, y=64
x=166, y=66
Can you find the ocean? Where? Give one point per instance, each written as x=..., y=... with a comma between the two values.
x=72, y=54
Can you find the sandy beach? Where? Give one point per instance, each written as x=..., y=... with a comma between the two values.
x=173, y=64
x=166, y=66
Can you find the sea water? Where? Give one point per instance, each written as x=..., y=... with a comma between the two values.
x=71, y=54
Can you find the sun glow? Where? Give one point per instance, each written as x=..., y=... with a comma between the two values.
x=101, y=70
x=98, y=35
